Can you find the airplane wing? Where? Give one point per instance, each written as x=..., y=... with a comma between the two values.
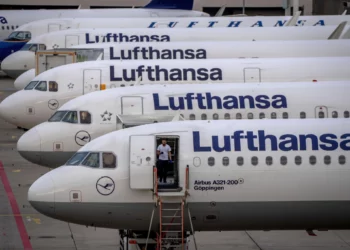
x=220, y=11
x=338, y=31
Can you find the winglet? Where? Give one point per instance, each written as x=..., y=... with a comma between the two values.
x=293, y=21
x=221, y=11
x=338, y=31
x=170, y=4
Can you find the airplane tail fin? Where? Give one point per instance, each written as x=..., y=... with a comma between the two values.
x=336, y=34
x=170, y=4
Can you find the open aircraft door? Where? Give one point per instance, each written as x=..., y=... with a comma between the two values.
x=52, y=27
x=252, y=74
x=321, y=112
x=142, y=160
x=92, y=80
x=132, y=105
x=72, y=40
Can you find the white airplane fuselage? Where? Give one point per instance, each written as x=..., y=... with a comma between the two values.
x=53, y=142
x=73, y=37
x=243, y=175
x=29, y=107
x=14, y=65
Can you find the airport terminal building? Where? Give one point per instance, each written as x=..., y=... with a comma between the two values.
x=233, y=7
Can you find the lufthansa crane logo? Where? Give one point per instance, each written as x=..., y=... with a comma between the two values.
x=82, y=137
x=105, y=185
x=53, y=104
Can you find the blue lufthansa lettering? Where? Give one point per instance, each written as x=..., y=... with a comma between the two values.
x=3, y=20
x=156, y=73
x=120, y=37
x=259, y=141
x=209, y=101
x=320, y=23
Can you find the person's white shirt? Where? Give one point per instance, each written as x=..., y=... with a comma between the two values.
x=164, y=152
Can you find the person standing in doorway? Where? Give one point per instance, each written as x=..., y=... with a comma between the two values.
x=164, y=156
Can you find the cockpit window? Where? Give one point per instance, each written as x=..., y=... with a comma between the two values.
x=31, y=85
x=53, y=86
x=57, y=116
x=109, y=160
x=77, y=158
x=30, y=47
x=42, y=86
x=19, y=36
x=71, y=117
x=92, y=160
x=85, y=117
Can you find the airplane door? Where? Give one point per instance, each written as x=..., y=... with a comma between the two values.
x=92, y=80
x=132, y=105
x=142, y=160
x=252, y=75
x=321, y=112
x=72, y=40
x=54, y=27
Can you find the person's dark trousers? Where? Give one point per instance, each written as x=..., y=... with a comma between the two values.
x=162, y=170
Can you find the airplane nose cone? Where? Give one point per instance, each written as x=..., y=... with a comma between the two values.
x=8, y=110
x=17, y=63
x=24, y=79
x=29, y=146
x=41, y=195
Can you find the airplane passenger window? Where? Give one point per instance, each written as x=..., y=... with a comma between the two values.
x=53, y=86
x=297, y=160
x=273, y=115
x=56, y=117
x=285, y=115
x=240, y=161
x=192, y=117
x=321, y=114
x=77, y=158
x=250, y=116
x=31, y=85
x=204, y=116
x=196, y=161
x=109, y=160
x=85, y=117
x=238, y=116
x=334, y=114
x=211, y=161
x=327, y=160
x=122, y=85
x=312, y=160
x=269, y=161
x=42, y=86
x=215, y=116
x=283, y=160
x=302, y=115
x=261, y=115
x=346, y=114
x=255, y=161
x=71, y=117
x=225, y=161
x=227, y=116
x=342, y=159
x=92, y=160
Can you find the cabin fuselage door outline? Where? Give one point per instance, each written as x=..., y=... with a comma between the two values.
x=252, y=74
x=132, y=105
x=72, y=40
x=52, y=27
x=142, y=152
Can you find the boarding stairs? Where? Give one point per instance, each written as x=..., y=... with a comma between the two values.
x=171, y=208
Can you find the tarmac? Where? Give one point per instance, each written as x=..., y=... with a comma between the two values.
x=22, y=227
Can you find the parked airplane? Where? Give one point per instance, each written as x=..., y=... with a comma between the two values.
x=87, y=117
x=12, y=19
x=69, y=38
x=51, y=89
x=14, y=67
x=232, y=175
